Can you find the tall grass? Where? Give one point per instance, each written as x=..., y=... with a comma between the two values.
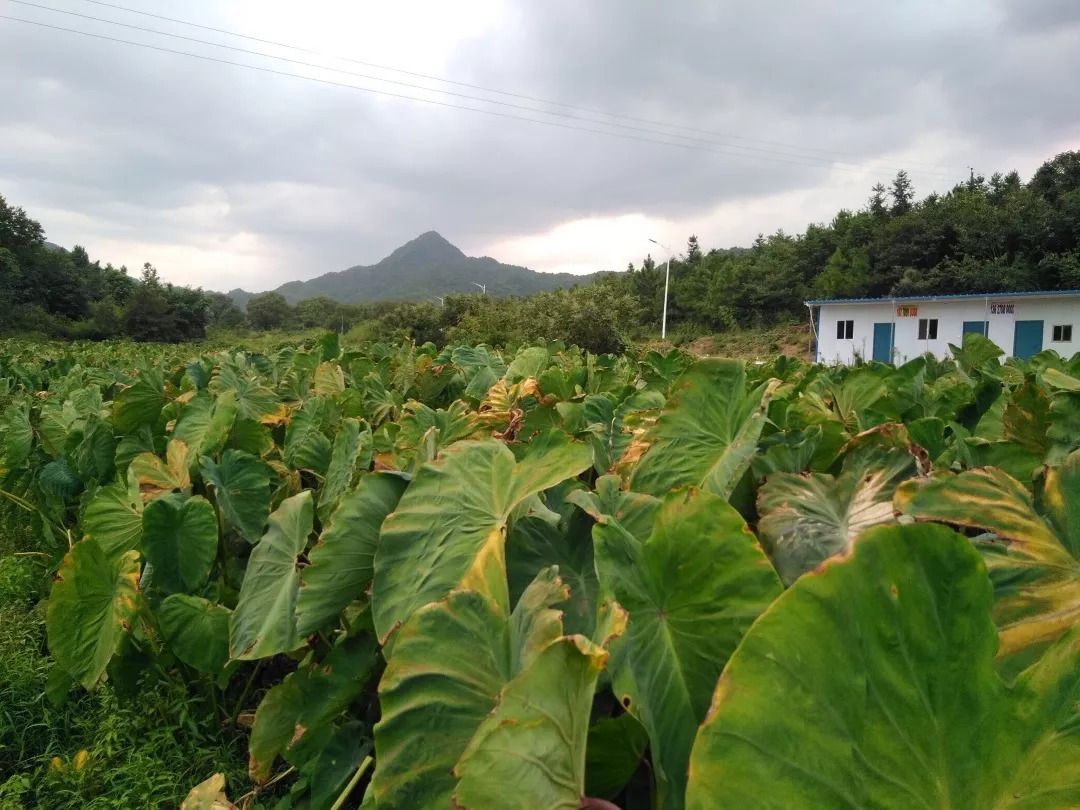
x=145, y=749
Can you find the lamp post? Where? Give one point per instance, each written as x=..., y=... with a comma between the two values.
x=667, y=279
x=483, y=287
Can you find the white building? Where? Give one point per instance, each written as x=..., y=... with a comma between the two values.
x=899, y=329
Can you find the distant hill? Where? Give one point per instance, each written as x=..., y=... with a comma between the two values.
x=426, y=267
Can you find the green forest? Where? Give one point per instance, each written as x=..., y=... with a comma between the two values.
x=985, y=235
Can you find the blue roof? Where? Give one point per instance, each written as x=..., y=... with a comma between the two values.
x=897, y=298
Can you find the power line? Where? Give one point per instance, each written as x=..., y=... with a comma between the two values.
x=434, y=101
x=507, y=93
x=804, y=159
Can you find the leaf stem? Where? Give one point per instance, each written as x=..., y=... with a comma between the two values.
x=259, y=788
x=29, y=507
x=243, y=695
x=337, y=805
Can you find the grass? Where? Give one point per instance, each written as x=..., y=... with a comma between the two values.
x=792, y=339
x=144, y=750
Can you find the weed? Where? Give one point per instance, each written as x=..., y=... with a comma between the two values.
x=97, y=750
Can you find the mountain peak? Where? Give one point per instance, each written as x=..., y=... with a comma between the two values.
x=426, y=268
x=427, y=247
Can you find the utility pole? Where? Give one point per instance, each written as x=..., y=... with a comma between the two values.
x=667, y=281
x=483, y=287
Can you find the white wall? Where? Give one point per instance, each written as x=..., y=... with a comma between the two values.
x=951, y=315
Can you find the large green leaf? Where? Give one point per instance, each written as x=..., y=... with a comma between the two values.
x=139, y=403
x=805, y=519
x=535, y=738
x=113, y=518
x=17, y=434
x=95, y=454
x=529, y=362
x=205, y=423
x=180, y=540
x=329, y=380
x=635, y=511
x=534, y=544
x=352, y=451
x=306, y=447
x=197, y=631
x=60, y=479
x=1036, y=574
x=692, y=589
x=301, y=708
x=264, y=622
x=613, y=753
x=91, y=608
x=241, y=485
x=707, y=433
x=253, y=399
x=1026, y=419
x=449, y=663
x=872, y=684
x=342, y=561
x=449, y=529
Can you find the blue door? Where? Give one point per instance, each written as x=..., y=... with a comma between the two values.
x=883, y=342
x=978, y=327
x=1028, y=340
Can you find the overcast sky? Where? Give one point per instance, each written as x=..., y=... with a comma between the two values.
x=223, y=176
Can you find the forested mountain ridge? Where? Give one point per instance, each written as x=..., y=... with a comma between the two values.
x=424, y=268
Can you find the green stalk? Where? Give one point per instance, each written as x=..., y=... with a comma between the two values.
x=352, y=783
x=29, y=507
x=209, y=681
x=243, y=695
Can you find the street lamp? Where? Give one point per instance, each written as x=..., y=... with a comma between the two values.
x=483, y=287
x=667, y=279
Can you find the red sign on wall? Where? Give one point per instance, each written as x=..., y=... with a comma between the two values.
x=907, y=312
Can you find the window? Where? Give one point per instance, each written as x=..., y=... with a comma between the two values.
x=1063, y=334
x=927, y=328
x=845, y=330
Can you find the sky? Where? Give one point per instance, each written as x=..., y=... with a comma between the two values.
x=715, y=117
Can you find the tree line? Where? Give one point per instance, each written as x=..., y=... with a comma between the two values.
x=62, y=293
x=984, y=235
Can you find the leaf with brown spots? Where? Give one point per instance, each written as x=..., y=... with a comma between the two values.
x=1033, y=559
x=156, y=477
x=92, y=604
x=872, y=684
x=807, y=518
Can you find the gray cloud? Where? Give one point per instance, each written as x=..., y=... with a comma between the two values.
x=152, y=148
